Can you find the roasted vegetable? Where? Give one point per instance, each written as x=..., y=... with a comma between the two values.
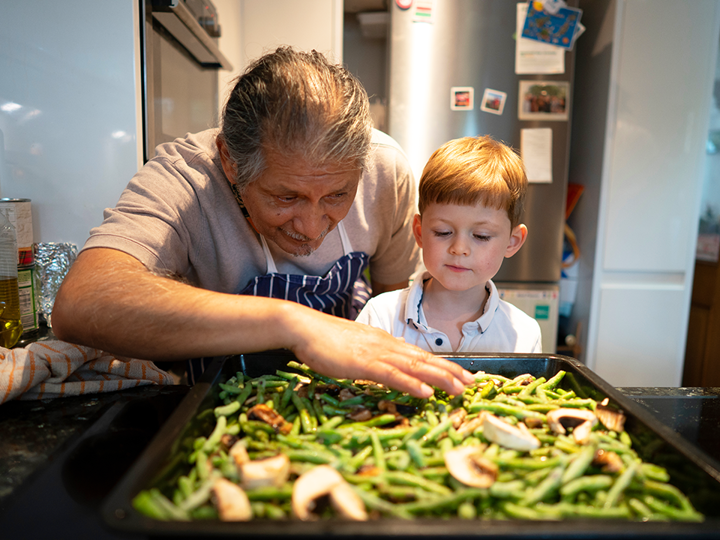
x=304, y=446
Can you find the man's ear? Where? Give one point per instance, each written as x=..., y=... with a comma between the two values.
x=227, y=163
x=417, y=229
x=517, y=239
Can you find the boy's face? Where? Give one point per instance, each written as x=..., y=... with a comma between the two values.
x=464, y=246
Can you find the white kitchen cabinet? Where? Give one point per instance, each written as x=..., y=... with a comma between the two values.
x=645, y=73
x=251, y=28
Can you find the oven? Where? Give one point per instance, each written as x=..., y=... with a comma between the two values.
x=180, y=62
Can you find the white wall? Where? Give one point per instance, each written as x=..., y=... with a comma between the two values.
x=69, y=121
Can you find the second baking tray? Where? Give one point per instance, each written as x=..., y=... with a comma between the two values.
x=165, y=457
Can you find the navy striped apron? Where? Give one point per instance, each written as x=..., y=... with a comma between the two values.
x=342, y=291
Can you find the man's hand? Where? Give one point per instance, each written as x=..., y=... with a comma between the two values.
x=110, y=301
x=344, y=349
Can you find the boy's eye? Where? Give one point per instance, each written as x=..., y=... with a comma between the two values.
x=441, y=233
x=482, y=237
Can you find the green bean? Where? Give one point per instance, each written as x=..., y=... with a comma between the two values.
x=622, y=482
x=354, y=463
x=505, y=410
x=373, y=422
x=226, y=410
x=544, y=488
x=154, y=504
x=437, y=503
x=201, y=495
x=435, y=432
x=669, y=492
x=376, y=503
x=582, y=511
x=670, y=511
x=217, y=433
x=415, y=452
x=586, y=483
x=553, y=381
x=304, y=414
x=288, y=392
x=530, y=388
x=231, y=389
x=270, y=493
x=407, y=479
x=507, y=490
x=654, y=472
x=378, y=452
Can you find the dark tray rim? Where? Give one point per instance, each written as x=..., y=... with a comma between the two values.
x=118, y=513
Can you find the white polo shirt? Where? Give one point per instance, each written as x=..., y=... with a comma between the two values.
x=501, y=328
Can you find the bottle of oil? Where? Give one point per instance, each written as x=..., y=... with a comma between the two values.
x=10, y=324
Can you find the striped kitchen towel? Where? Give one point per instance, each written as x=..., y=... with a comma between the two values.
x=50, y=369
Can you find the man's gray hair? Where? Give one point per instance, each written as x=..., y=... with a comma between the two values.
x=295, y=103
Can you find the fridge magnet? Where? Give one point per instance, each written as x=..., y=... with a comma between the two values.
x=403, y=4
x=549, y=23
x=493, y=101
x=543, y=100
x=462, y=98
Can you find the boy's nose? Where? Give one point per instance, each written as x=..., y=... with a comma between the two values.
x=459, y=247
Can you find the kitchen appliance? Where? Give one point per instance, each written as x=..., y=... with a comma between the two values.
x=180, y=62
x=452, y=74
x=690, y=469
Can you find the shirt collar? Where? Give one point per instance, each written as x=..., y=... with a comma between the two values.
x=415, y=296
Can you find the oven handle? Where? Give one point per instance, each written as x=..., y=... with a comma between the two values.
x=180, y=22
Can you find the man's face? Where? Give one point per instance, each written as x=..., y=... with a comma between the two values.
x=295, y=204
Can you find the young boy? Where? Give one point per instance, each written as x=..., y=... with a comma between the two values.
x=471, y=198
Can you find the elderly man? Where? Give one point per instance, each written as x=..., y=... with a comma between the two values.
x=257, y=236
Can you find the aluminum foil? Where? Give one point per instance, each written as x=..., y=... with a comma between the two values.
x=52, y=262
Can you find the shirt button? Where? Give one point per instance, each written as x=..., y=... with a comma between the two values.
x=438, y=341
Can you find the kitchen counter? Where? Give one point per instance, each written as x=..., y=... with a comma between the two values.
x=60, y=458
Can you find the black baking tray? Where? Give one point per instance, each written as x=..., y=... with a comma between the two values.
x=690, y=469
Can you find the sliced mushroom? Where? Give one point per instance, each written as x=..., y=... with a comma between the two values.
x=239, y=453
x=360, y=414
x=270, y=416
x=469, y=426
x=610, y=462
x=346, y=502
x=231, y=501
x=345, y=394
x=613, y=419
x=320, y=481
x=467, y=465
x=273, y=471
x=513, y=437
x=580, y=420
x=457, y=416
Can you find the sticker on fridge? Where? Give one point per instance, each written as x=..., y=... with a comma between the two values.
x=536, y=153
x=493, y=101
x=532, y=56
x=543, y=100
x=462, y=98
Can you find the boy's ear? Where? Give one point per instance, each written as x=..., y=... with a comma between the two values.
x=517, y=239
x=417, y=229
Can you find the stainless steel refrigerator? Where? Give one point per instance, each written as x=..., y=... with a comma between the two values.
x=441, y=51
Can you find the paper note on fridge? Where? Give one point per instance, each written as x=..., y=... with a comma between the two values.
x=536, y=153
x=532, y=56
